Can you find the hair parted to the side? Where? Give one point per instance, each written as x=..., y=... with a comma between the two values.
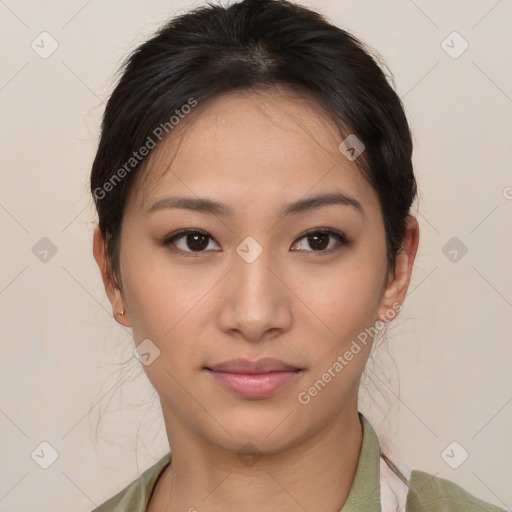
x=252, y=45
x=255, y=44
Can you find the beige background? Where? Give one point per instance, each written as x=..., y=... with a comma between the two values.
x=61, y=350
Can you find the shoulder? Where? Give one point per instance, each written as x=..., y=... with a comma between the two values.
x=135, y=496
x=430, y=493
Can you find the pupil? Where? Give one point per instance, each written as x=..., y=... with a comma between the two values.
x=316, y=244
x=195, y=245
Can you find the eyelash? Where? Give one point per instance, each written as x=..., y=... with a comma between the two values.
x=340, y=238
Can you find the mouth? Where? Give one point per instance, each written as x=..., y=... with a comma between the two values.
x=245, y=366
x=253, y=379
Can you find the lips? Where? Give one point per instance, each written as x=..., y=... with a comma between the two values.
x=254, y=379
x=265, y=365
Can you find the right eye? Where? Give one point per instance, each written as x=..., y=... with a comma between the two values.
x=191, y=240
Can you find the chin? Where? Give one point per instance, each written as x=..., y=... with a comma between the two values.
x=256, y=429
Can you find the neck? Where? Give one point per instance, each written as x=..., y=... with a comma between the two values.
x=316, y=474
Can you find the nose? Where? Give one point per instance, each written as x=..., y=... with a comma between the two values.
x=255, y=302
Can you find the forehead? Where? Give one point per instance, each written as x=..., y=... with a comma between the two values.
x=245, y=142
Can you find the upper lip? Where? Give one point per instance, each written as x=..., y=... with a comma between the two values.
x=264, y=365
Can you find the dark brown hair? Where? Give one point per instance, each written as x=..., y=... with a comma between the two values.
x=253, y=44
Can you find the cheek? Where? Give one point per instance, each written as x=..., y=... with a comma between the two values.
x=345, y=308
x=150, y=308
x=344, y=299
x=170, y=313
x=172, y=306
x=160, y=297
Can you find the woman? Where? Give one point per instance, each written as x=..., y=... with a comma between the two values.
x=253, y=184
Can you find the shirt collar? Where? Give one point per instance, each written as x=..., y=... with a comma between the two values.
x=365, y=490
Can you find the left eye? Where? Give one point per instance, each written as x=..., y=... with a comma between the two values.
x=318, y=240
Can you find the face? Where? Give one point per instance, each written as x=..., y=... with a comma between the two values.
x=256, y=270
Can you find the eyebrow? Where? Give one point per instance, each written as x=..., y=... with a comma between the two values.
x=204, y=205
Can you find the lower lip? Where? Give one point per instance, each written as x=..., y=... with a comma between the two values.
x=256, y=385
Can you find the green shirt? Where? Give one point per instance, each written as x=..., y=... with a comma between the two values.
x=427, y=493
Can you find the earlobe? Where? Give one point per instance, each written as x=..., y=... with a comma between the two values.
x=397, y=285
x=114, y=294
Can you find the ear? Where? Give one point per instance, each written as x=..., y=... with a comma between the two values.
x=115, y=295
x=397, y=284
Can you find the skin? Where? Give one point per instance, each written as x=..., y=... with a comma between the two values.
x=255, y=152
